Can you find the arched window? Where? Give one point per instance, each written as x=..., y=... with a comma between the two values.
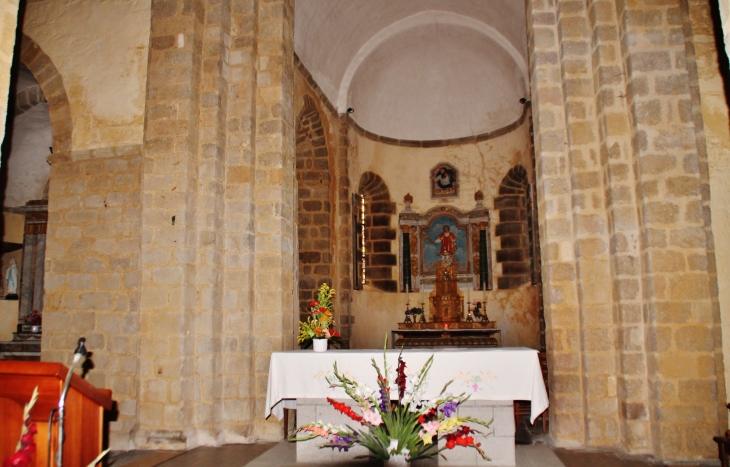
x=515, y=231
x=376, y=233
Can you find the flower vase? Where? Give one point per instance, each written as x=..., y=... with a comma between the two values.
x=396, y=460
x=319, y=345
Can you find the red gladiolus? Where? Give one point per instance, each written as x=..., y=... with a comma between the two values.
x=17, y=460
x=343, y=408
x=451, y=443
x=400, y=380
x=423, y=417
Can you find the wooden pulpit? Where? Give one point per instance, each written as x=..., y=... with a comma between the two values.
x=84, y=413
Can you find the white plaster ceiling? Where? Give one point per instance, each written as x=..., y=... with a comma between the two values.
x=417, y=69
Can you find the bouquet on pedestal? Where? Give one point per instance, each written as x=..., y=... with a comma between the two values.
x=320, y=323
x=407, y=427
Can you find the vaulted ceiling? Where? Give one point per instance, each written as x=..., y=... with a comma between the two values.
x=418, y=69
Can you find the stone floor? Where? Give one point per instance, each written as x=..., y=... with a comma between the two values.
x=532, y=450
x=284, y=455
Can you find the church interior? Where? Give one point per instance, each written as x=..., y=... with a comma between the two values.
x=180, y=177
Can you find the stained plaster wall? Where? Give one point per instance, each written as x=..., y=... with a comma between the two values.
x=28, y=170
x=405, y=170
x=100, y=48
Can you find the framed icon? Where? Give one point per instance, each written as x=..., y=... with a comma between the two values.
x=444, y=181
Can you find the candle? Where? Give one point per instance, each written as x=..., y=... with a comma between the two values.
x=407, y=299
x=420, y=286
x=468, y=290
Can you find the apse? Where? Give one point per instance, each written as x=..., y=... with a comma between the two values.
x=436, y=82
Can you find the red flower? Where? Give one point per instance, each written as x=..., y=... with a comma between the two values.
x=18, y=459
x=423, y=417
x=400, y=380
x=311, y=304
x=451, y=443
x=322, y=309
x=343, y=408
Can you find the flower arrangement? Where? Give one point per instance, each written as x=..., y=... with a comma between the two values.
x=33, y=319
x=26, y=446
x=405, y=428
x=320, y=323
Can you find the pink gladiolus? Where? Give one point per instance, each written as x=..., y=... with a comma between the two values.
x=372, y=417
x=317, y=430
x=431, y=427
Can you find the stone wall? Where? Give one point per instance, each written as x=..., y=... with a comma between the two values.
x=107, y=97
x=328, y=238
x=621, y=193
x=314, y=207
x=404, y=167
x=176, y=260
x=92, y=272
x=9, y=15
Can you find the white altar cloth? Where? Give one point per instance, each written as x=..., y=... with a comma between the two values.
x=484, y=374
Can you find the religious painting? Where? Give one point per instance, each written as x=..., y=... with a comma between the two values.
x=444, y=181
x=443, y=237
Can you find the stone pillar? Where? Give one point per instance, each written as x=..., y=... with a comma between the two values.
x=556, y=224
x=274, y=198
x=590, y=223
x=678, y=293
x=622, y=173
x=169, y=396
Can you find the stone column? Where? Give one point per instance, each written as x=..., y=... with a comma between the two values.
x=274, y=197
x=682, y=371
x=556, y=223
x=168, y=394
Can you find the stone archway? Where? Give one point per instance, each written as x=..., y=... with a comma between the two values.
x=51, y=82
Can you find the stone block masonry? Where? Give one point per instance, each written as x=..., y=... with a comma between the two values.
x=619, y=169
x=178, y=259
x=93, y=271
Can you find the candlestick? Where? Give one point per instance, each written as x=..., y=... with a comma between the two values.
x=468, y=289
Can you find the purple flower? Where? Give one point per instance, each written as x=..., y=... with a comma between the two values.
x=449, y=408
x=383, y=399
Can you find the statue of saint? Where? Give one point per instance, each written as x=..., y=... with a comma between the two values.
x=447, y=241
x=11, y=278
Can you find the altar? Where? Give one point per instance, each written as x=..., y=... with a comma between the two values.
x=492, y=377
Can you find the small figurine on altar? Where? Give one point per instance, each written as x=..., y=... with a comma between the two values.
x=414, y=312
x=476, y=310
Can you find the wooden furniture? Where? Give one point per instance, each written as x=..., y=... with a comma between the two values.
x=84, y=421
x=522, y=408
x=723, y=446
x=446, y=337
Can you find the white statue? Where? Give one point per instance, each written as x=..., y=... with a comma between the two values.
x=11, y=277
